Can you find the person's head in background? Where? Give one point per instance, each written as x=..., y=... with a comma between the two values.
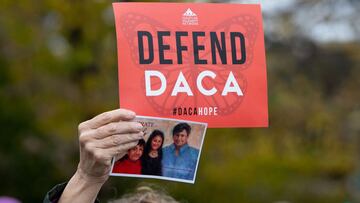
x=5, y=199
x=136, y=152
x=146, y=194
x=181, y=134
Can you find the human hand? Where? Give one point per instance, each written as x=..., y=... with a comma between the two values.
x=101, y=138
x=105, y=136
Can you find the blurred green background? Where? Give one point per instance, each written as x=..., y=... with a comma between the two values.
x=58, y=67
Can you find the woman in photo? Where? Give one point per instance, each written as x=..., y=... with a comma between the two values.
x=131, y=162
x=151, y=160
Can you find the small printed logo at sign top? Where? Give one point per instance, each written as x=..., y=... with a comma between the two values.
x=190, y=18
x=189, y=12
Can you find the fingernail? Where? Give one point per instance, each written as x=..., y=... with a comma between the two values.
x=139, y=126
x=141, y=134
x=131, y=113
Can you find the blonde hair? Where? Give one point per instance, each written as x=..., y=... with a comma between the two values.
x=145, y=194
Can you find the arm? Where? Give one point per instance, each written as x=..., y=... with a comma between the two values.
x=101, y=138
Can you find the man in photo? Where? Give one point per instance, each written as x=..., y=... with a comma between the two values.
x=131, y=162
x=179, y=159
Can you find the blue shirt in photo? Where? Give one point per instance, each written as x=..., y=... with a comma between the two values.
x=181, y=166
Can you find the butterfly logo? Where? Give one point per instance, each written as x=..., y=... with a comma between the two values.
x=164, y=105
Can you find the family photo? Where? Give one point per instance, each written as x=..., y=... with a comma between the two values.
x=170, y=150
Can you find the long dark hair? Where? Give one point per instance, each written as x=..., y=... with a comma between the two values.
x=148, y=143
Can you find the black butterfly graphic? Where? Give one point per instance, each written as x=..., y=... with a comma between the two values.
x=249, y=26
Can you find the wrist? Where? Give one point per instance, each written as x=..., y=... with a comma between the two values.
x=81, y=188
x=86, y=178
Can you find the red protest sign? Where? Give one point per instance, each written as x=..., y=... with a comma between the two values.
x=200, y=62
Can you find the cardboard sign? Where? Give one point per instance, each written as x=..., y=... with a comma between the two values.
x=199, y=62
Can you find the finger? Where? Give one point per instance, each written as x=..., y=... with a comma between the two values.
x=109, y=129
x=120, y=150
x=107, y=117
x=119, y=139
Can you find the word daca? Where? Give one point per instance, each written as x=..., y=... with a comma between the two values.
x=218, y=46
x=182, y=86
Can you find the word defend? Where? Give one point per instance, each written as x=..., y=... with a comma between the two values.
x=217, y=46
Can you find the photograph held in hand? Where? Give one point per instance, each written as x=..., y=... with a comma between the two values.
x=170, y=150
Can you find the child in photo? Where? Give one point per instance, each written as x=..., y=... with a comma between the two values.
x=131, y=162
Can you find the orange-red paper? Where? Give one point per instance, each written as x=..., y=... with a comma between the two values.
x=162, y=44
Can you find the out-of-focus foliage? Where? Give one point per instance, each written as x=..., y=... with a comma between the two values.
x=58, y=67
